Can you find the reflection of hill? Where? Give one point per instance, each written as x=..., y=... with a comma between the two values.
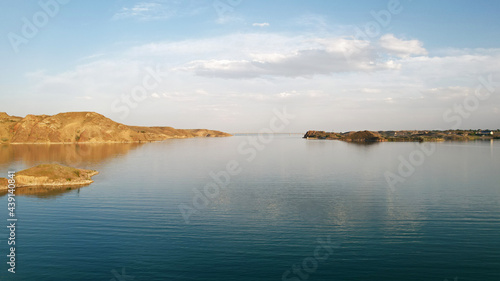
x=68, y=154
x=42, y=192
x=364, y=144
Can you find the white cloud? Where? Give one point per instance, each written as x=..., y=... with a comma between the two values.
x=161, y=10
x=311, y=74
x=85, y=97
x=144, y=11
x=319, y=56
x=229, y=19
x=264, y=24
x=400, y=47
x=314, y=21
x=233, y=46
x=371, y=90
x=91, y=57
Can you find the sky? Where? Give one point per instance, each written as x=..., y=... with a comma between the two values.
x=231, y=64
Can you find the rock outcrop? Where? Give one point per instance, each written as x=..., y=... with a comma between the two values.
x=321, y=135
x=51, y=175
x=363, y=136
x=86, y=127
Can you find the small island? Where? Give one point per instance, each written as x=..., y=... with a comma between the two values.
x=51, y=175
x=405, y=136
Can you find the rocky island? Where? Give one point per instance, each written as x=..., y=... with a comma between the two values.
x=405, y=136
x=50, y=175
x=86, y=127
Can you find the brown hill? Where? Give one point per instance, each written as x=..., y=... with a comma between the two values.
x=4, y=183
x=85, y=127
x=321, y=135
x=363, y=136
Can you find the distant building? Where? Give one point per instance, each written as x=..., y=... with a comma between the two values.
x=486, y=133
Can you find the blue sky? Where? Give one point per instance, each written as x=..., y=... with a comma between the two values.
x=226, y=64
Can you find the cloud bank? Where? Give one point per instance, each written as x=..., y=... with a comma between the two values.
x=328, y=81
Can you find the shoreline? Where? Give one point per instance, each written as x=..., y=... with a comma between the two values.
x=53, y=176
x=405, y=136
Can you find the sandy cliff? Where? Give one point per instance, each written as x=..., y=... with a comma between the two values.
x=85, y=127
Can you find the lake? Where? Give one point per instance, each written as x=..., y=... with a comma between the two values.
x=244, y=208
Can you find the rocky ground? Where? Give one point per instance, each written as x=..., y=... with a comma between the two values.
x=51, y=175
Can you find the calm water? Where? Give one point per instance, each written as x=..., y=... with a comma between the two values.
x=442, y=223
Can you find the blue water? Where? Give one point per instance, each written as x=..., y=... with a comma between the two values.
x=441, y=223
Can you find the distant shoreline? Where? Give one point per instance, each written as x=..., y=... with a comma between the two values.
x=406, y=135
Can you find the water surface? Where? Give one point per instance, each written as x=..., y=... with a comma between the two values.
x=443, y=222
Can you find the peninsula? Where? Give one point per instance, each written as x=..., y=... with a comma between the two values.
x=86, y=127
x=50, y=175
x=405, y=136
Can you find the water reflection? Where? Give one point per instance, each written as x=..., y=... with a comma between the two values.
x=364, y=143
x=87, y=156
x=76, y=155
x=44, y=192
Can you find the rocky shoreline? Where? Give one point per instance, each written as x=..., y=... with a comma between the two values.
x=405, y=136
x=50, y=175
